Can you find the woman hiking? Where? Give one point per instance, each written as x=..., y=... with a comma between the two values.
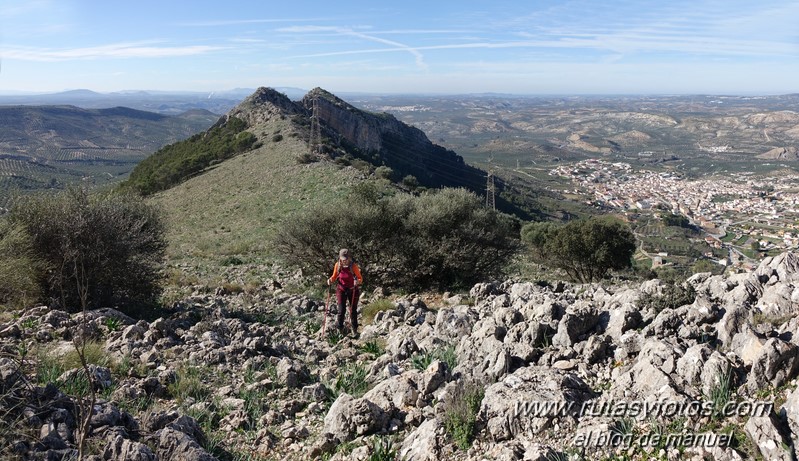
x=348, y=274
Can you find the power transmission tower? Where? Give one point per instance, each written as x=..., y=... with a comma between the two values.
x=315, y=137
x=491, y=201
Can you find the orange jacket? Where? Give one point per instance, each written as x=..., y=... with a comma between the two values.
x=355, y=269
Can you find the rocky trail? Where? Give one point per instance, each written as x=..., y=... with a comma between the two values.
x=513, y=371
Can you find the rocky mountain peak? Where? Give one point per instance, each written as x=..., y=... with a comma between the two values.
x=378, y=138
x=264, y=104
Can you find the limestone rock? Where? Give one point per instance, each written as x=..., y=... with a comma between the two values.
x=790, y=411
x=120, y=449
x=771, y=444
x=777, y=362
x=178, y=446
x=507, y=404
x=575, y=325
x=349, y=417
x=423, y=444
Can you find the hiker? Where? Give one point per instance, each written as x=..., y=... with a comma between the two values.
x=348, y=275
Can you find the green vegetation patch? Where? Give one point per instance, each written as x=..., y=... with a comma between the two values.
x=177, y=162
x=460, y=416
x=95, y=249
x=442, y=239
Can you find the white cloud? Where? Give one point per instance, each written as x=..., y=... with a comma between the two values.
x=396, y=46
x=238, y=22
x=115, y=50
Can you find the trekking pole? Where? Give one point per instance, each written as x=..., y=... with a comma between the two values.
x=352, y=302
x=327, y=307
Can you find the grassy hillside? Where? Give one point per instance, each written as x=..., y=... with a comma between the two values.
x=234, y=207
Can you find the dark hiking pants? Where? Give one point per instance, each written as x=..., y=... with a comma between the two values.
x=344, y=296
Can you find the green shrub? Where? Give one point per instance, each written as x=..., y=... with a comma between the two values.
x=113, y=324
x=127, y=366
x=721, y=394
x=305, y=158
x=48, y=369
x=586, y=249
x=255, y=401
x=422, y=360
x=383, y=450
x=334, y=335
x=351, y=379
x=93, y=352
x=460, y=416
x=410, y=182
x=445, y=354
x=448, y=355
x=384, y=172
x=100, y=249
x=76, y=384
x=21, y=269
x=443, y=239
x=373, y=347
x=231, y=261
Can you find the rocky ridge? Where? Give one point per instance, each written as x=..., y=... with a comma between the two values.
x=379, y=139
x=225, y=375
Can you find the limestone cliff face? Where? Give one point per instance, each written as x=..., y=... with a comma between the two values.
x=363, y=129
x=384, y=140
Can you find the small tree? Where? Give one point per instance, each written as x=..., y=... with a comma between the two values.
x=410, y=182
x=384, y=172
x=585, y=249
x=99, y=250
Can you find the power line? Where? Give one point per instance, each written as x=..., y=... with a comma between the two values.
x=315, y=136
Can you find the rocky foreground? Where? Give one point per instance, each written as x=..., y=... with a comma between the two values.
x=514, y=371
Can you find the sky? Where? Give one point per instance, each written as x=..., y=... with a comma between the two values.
x=400, y=47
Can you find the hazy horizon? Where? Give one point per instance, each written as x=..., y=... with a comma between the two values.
x=702, y=47
x=391, y=94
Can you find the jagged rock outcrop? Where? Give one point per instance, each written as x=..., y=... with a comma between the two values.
x=265, y=103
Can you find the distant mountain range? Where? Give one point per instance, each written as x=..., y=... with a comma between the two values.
x=162, y=102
